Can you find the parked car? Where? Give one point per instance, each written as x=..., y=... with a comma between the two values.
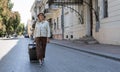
x=26, y=36
x=14, y=35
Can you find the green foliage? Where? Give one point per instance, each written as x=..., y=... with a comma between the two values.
x=2, y=32
x=20, y=29
x=10, y=5
x=10, y=20
x=15, y=20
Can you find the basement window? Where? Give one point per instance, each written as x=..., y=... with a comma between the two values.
x=66, y=36
x=71, y=36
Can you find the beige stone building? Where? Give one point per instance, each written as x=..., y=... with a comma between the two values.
x=109, y=17
x=65, y=21
x=29, y=28
x=53, y=15
x=100, y=19
x=73, y=28
x=104, y=30
x=70, y=21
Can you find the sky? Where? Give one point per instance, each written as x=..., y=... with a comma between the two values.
x=23, y=7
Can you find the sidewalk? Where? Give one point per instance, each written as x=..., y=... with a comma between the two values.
x=107, y=51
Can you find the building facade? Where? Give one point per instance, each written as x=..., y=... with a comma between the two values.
x=92, y=18
x=65, y=21
x=73, y=28
x=109, y=18
x=53, y=15
x=29, y=28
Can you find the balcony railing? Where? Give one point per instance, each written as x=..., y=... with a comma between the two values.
x=63, y=2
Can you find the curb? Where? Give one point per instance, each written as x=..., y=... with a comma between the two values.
x=90, y=52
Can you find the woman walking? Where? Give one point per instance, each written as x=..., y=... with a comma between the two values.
x=41, y=34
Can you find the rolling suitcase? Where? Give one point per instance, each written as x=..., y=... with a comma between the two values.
x=32, y=52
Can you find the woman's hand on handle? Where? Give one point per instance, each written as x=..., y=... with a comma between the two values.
x=48, y=40
x=34, y=40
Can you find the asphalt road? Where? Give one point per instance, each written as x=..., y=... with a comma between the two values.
x=14, y=58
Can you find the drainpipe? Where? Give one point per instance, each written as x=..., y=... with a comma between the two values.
x=91, y=19
x=62, y=22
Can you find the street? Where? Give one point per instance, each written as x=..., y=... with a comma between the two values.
x=14, y=58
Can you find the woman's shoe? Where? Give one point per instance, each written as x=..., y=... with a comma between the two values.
x=40, y=62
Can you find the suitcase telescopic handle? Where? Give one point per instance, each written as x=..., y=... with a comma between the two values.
x=32, y=44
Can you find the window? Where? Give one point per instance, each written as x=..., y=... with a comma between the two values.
x=66, y=36
x=105, y=8
x=71, y=36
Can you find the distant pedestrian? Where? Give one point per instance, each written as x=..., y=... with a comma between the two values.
x=41, y=35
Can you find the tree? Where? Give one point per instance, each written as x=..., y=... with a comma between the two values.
x=5, y=15
x=15, y=20
x=20, y=29
x=1, y=11
x=10, y=5
x=10, y=20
